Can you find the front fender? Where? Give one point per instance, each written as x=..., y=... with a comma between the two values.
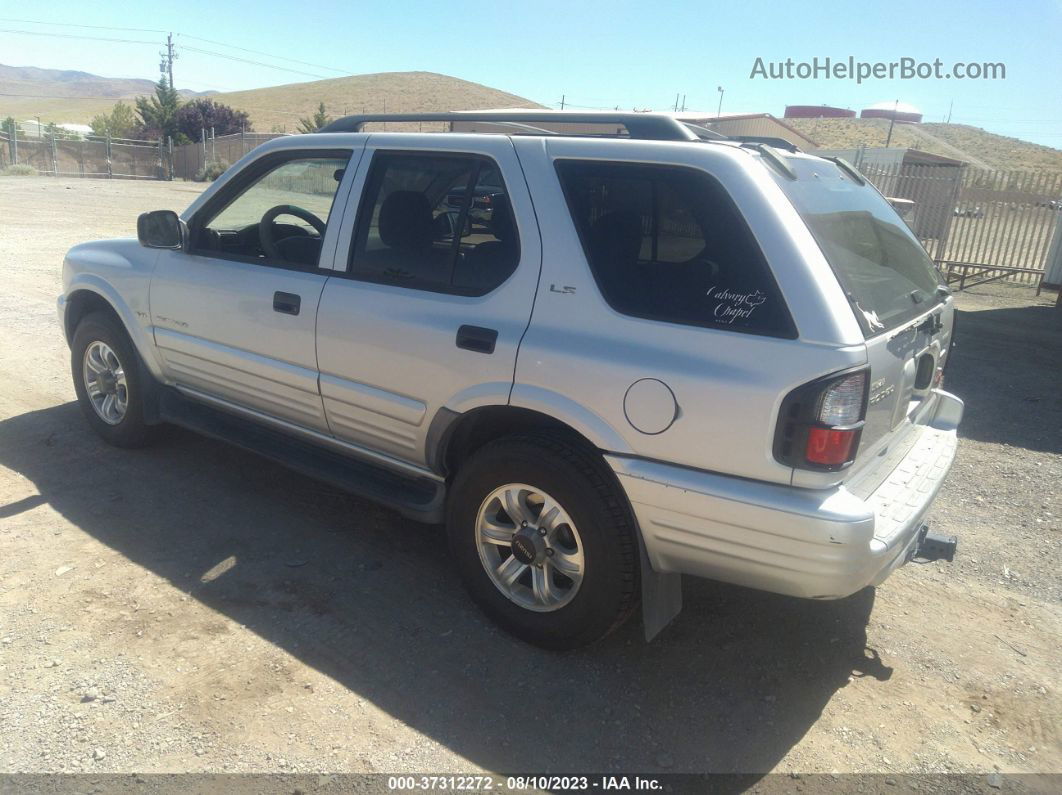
x=136, y=319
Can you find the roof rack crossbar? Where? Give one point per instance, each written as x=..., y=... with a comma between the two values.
x=643, y=126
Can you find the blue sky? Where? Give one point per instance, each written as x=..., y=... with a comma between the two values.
x=597, y=54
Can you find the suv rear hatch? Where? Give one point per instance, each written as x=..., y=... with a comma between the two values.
x=892, y=286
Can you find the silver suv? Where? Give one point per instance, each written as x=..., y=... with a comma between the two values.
x=659, y=353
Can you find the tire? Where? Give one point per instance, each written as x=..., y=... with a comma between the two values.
x=593, y=525
x=98, y=332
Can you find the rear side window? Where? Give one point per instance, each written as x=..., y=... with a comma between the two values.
x=667, y=243
x=441, y=223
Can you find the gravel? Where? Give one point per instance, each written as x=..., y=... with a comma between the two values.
x=193, y=608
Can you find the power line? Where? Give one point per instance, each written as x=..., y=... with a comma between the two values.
x=152, y=43
x=75, y=25
x=73, y=36
x=268, y=55
x=152, y=30
x=255, y=63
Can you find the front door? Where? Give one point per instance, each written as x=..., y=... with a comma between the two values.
x=234, y=314
x=433, y=294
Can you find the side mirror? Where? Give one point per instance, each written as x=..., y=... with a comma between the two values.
x=160, y=229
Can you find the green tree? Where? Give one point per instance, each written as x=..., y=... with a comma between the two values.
x=158, y=114
x=121, y=122
x=315, y=122
x=9, y=126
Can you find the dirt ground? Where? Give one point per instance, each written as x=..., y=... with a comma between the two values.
x=193, y=608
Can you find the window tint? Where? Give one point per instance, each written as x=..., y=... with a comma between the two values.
x=884, y=270
x=293, y=238
x=435, y=222
x=668, y=244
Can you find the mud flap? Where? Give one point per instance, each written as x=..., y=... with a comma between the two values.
x=661, y=596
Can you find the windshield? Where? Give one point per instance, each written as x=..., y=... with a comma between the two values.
x=887, y=275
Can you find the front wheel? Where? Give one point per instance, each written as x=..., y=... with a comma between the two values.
x=543, y=539
x=108, y=382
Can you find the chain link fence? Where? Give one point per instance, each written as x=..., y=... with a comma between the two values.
x=106, y=157
x=189, y=160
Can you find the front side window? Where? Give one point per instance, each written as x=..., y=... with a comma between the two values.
x=435, y=222
x=280, y=217
x=667, y=243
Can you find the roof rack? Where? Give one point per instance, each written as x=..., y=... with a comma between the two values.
x=643, y=126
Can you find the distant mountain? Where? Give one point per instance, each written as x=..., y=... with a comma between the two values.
x=74, y=96
x=69, y=83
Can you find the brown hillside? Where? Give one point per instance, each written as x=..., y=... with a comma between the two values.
x=81, y=96
x=978, y=147
x=387, y=92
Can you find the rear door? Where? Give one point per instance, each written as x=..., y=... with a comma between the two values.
x=894, y=290
x=432, y=292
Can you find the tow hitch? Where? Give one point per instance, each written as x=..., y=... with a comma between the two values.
x=934, y=546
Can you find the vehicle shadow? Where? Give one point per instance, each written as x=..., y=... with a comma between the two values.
x=370, y=599
x=1005, y=365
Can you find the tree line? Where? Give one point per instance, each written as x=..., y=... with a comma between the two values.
x=165, y=115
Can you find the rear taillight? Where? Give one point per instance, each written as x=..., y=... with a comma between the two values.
x=820, y=422
x=828, y=447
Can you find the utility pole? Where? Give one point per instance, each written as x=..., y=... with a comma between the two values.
x=683, y=103
x=168, y=57
x=719, y=110
x=563, y=97
x=676, y=103
x=892, y=121
x=950, y=106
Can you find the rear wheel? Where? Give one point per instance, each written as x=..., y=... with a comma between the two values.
x=108, y=382
x=543, y=539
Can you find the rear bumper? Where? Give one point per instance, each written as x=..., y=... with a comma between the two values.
x=819, y=544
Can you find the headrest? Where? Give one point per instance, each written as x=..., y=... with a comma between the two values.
x=501, y=218
x=405, y=221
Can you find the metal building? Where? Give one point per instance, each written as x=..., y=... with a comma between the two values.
x=817, y=112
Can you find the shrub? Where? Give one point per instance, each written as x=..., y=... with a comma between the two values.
x=19, y=170
x=205, y=114
x=210, y=171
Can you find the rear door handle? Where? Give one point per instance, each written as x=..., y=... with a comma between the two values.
x=477, y=338
x=286, y=303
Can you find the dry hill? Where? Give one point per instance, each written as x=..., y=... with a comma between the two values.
x=65, y=95
x=978, y=147
x=78, y=96
x=387, y=92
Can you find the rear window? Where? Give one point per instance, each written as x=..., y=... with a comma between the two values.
x=667, y=243
x=886, y=274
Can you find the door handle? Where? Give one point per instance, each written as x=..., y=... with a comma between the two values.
x=477, y=338
x=286, y=303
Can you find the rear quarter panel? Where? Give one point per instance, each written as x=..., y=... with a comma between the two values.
x=728, y=385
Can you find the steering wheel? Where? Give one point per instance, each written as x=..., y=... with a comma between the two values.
x=265, y=226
